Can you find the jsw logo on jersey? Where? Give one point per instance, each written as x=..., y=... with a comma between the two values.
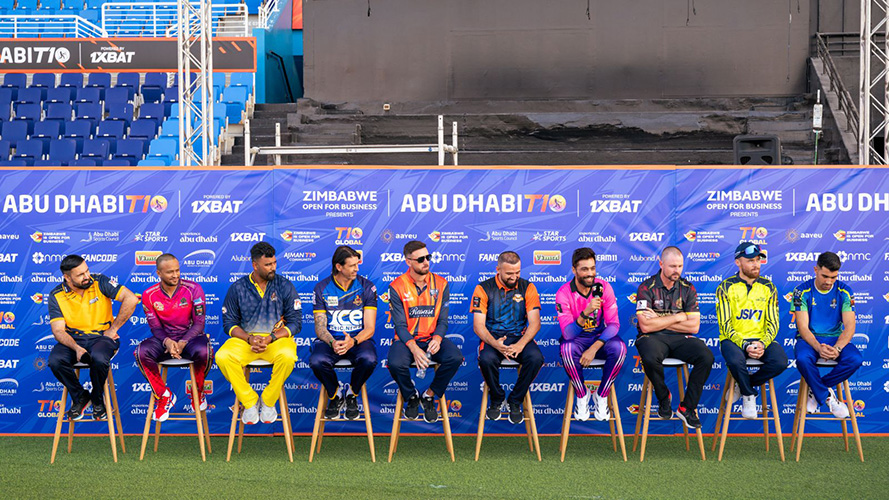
x=216, y=206
x=646, y=236
x=346, y=321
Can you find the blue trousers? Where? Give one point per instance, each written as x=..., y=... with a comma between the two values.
x=774, y=362
x=363, y=358
x=448, y=357
x=806, y=357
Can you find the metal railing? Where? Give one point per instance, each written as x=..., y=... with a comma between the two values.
x=48, y=26
x=266, y=10
x=842, y=44
x=158, y=20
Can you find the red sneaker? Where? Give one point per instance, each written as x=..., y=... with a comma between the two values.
x=164, y=404
x=203, y=402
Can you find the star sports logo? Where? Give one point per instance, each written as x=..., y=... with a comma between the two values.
x=840, y=235
x=691, y=235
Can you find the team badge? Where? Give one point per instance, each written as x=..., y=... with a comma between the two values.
x=558, y=308
x=658, y=304
x=357, y=301
x=199, y=310
x=476, y=301
x=274, y=297
x=679, y=303
x=183, y=302
x=797, y=298
x=833, y=304
x=297, y=304
x=332, y=301
x=159, y=306
x=434, y=292
x=198, y=301
x=641, y=305
x=518, y=297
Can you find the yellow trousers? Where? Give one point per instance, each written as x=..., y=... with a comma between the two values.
x=235, y=354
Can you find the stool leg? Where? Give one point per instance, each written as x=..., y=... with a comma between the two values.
x=528, y=433
x=59, y=421
x=147, y=429
x=71, y=422
x=197, y=414
x=765, y=415
x=566, y=422
x=645, y=419
x=529, y=417
x=285, y=421
x=481, y=421
x=110, y=419
x=615, y=415
x=367, y=423
x=446, y=423
x=241, y=423
x=611, y=429
x=840, y=392
x=800, y=401
x=726, y=417
x=236, y=411
x=682, y=398
x=851, y=407
x=157, y=425
x=116, y=412
x=724, y=406
x=396, y=427
x=639, y=412
x=322, y=395
x=776, y=414
x=206, y=430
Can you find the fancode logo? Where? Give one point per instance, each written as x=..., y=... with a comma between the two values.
x=547, y=257
x=147, y=257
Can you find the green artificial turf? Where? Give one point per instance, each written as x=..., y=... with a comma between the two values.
x=421, y=469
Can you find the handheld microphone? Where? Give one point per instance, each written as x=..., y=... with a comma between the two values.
x=598, y=290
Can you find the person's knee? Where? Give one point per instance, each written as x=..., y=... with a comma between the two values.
x=319, y=362
x=286, y=356
x=704, y=357
x=453, y=357
x=366, y=359
x=224, y=356
x=651, y=356
x=398, y=364
x=569, y=349
x=486, y=359
x=854, y=358
x=533, y=360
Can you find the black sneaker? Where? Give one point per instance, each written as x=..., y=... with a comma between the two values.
x=495, y=410
x=516, y=415
x=430, y=414
x=412, y=412
x=689, y=418
x=99, y=412
x=78, y=408
x=665, y=408
x=334, y=406
x=352, y=407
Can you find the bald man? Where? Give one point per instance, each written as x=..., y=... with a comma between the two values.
x=668, y=320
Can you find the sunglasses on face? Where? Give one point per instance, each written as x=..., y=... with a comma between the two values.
x=422, y=259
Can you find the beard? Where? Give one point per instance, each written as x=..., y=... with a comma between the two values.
x=84, y=285
x=587, y=281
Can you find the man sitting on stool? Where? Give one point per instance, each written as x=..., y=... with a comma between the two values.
x=824, y=310
x=506, y=317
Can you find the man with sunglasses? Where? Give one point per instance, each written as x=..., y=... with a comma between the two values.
x=418, y=301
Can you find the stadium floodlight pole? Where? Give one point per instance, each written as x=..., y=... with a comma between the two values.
x=194, y=40
x=873, y=108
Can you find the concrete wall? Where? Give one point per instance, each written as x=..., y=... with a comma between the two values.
x=431, y=50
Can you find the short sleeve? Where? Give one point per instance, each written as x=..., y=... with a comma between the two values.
x=370, y=295
x=318, y=298
x=55, y=312
x=479, y=301
x=690, y=302
x=532, y=298
x=108, y=288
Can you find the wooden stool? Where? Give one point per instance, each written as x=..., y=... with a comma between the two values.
x=443, y=410
x=530, y=423
x=799, y=419
x=320, y=419
x=643, y=415
x=111, y=409
x=199, y=417
x=284, y=417
x=613, y=420
x=725, y=412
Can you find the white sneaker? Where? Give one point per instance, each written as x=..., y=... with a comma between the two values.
x=582, y=408
x=600, y=407
x=811, y=403
x=268, y=414
x=250, y=415
x=838, y=408
x=748, y=406
x=736, y=394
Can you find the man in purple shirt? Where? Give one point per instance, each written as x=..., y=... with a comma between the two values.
x=175, y=309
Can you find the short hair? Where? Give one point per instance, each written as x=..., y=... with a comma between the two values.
x=163, y=258
x=340, y=255
x=261, y=249
x=508, y=257
x=830, y=261
x=670, y=250
x=70, y=262
x=412, y=246
x=582, y=253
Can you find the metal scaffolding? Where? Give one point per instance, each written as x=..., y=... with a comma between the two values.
x=873, y=116
x=195, y=30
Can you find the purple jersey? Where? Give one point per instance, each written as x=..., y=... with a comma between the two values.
x=603, y=323
x=180, y=316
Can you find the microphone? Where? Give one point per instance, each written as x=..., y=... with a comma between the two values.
x=598, y=290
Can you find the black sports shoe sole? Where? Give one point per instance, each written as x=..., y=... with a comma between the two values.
x=426, y=414
x=517, y=422
x=684, y=421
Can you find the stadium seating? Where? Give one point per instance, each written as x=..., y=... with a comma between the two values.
x=47, y=131
x=71, y=80
x=62, y=151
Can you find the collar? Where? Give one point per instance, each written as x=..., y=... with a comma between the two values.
x=575, y=290
x=175, y=291
x=341, y=287
x=503, y=287
x=659, y=282
x=258, y=289
x=815, y=287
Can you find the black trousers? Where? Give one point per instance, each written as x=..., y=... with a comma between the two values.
x=62, y=359
x=654, y=347
x=448, y=357
x=530, y=361
x=363, y=357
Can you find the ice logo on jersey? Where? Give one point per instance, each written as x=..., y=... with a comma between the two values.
x=346, y=321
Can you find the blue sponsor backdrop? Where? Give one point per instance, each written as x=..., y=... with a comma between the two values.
x=120, y=220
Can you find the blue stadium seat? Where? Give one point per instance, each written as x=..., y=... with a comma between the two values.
x=235, y=101
x=92, y=15
x=50, y=4
x=59, y=94
x=118, y=95
x=14, y=81
x=131, y=150
x=60, y=111
x=152, y=162
x=62, y=150
x=89, y=111
x=29, y=113
x=94, y=4
x=4, y=150
x=145, y=130
x=47, y=131
x=165, y=149
x=26, y=4
x=79, y=130
x=7, y=4
x=48, y=163
x=83, y=162
x=30, y=95
x=101, y=81
x=170, y=128
x=110, y=129
x=88, y=94
x=14, y=163
x=121, y=112
x=219, y=79
x=130, y=81
x=5, y=104
x=153, y=111
x=154, y=86
x=71, y=80
x=47, y=80
x=117, y=162
x=14, y=132
x=242, y=80
x=29, y=150
x=96, y=148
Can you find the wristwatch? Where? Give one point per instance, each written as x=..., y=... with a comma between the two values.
x=274, y=338
x=838, y=348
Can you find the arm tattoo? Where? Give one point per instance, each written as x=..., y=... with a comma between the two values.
x=321, y=329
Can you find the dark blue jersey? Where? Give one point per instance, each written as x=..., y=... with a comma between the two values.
x=344, y=306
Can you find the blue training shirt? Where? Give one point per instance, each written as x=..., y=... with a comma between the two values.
x=825, y=308
x=344, y=306
x=256, y=311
